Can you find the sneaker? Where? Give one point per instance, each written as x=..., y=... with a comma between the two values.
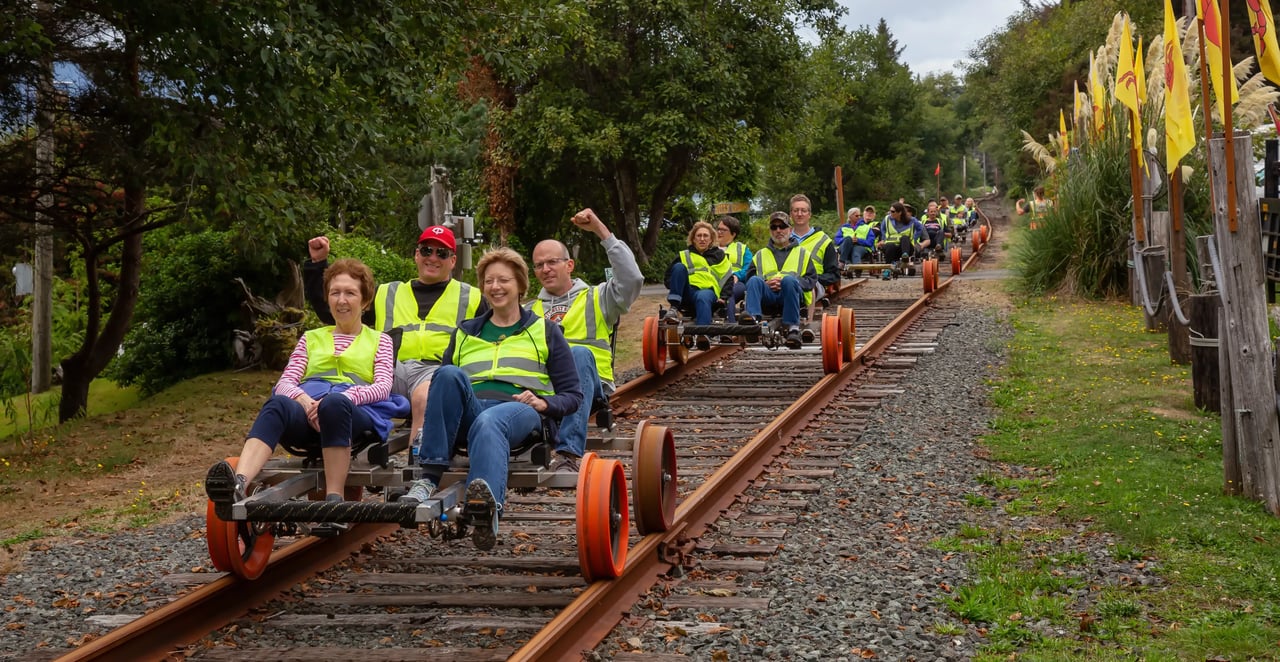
x=793, y=339
x=223, y=485
x=420, y=491
x=746, y=319
x=806, y=335
x=604, y=417
x=565, y=462
x=703, y=342
x=482, y=508
x=672, y=317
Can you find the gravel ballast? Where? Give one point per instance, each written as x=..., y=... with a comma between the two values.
x=856, y=574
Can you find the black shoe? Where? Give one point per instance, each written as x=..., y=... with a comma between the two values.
x=703, y=343
x=604, y=417
x=793, y=339
x=672, y=317
x=223, y=485
x=746, y=319
x=482, y=509
x=806, y=335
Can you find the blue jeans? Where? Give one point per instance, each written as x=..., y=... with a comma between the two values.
x=736, y=294
x=846, y=250
x=759, y=295
x=681, y=291
x=489, y=429
x=283, y=418
x=860, y=253
x=573, y=427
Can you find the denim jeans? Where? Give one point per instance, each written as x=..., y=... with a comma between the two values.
x=788, y=297
x=846, y=250
x=736, y=294
x=573, y=428
x=489, y=429
x=283, y=418
x=681, y=291
x=860, y=253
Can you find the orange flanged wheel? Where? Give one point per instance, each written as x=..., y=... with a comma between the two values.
x=985, y=232
x=653, y=478
x=847, y=332
x=832, y=352
x=977, y=240
x=246, y=546
x=602, y=518
x=956, y=264
x=927, y=275
x=653, y=346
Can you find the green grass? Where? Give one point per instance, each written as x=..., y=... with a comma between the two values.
x=1089, y=401
x=105, y=397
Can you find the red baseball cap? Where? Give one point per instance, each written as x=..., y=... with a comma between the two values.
x=441, y=235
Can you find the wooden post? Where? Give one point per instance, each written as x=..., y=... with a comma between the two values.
x=840, y=219
x=1155, y=261
x=1212, y=369
x=1179, y=335
x=1204, y=353
x=1245, y=347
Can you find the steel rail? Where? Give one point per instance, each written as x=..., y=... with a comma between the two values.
x=583, y=624
x=157, y=634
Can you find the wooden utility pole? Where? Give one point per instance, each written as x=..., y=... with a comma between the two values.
x=1179, y=335
x=839, y=177
x=42, y=299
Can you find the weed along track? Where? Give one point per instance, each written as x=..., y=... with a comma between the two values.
x=755, y=431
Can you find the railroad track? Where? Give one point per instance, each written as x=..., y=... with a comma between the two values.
x=405, y=596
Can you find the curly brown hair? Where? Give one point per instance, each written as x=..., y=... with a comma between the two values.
x=357, y=270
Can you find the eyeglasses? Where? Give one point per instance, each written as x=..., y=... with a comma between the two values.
x=549, y=262
x=439, y=251
x=722, y=230
x=777, y=227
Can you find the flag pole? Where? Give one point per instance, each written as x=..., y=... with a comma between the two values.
x=1135, y=181
x=1227, y=129
x=839, y=198
x=1208, y=108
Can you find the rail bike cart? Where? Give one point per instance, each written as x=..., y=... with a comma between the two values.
x=662, y=341
x=286, y=499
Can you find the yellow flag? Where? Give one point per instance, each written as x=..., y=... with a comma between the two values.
x=1096, y=95
x=1179, y=132
x=1125, y=88
x=1263, y=27
x=1139, y=70
x=1207, y=12
x=1062, y=133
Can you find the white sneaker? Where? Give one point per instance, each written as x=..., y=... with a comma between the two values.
x=420, y=491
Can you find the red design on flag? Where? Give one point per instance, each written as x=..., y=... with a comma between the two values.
x=937, y=170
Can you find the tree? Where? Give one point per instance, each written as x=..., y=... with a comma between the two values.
x=253, y=109
x=646, y=97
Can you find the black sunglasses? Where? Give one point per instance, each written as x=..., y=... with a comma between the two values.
x=777, y=227
x=440, y=251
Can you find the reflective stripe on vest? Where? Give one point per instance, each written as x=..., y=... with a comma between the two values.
x=767, y=266
x=353, y=366
x=584, y=325
x=737, y=252
x=519, y=360
x=396, y=307
x=891, y=232
x=816, y=243
x=704, y=276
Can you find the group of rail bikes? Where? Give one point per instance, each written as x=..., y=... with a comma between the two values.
x=287, y=498
x=832, y=329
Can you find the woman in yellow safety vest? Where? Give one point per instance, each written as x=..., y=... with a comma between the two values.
x=697, y=275
x=502, y=374
x=336, y=386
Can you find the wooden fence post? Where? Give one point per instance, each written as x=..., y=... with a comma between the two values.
x=1243, y=331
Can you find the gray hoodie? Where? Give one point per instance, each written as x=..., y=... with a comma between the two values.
x=615, y=295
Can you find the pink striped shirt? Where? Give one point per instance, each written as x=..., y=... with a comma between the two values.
x=361, y=394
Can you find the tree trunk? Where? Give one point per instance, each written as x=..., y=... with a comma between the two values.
x=626, y=208
x=97, y=349
x=677, y=165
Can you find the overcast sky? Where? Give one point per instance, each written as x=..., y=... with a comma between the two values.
x=933, y=34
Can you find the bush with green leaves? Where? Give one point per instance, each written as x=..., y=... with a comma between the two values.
x=387, y=265
x=188, y=307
